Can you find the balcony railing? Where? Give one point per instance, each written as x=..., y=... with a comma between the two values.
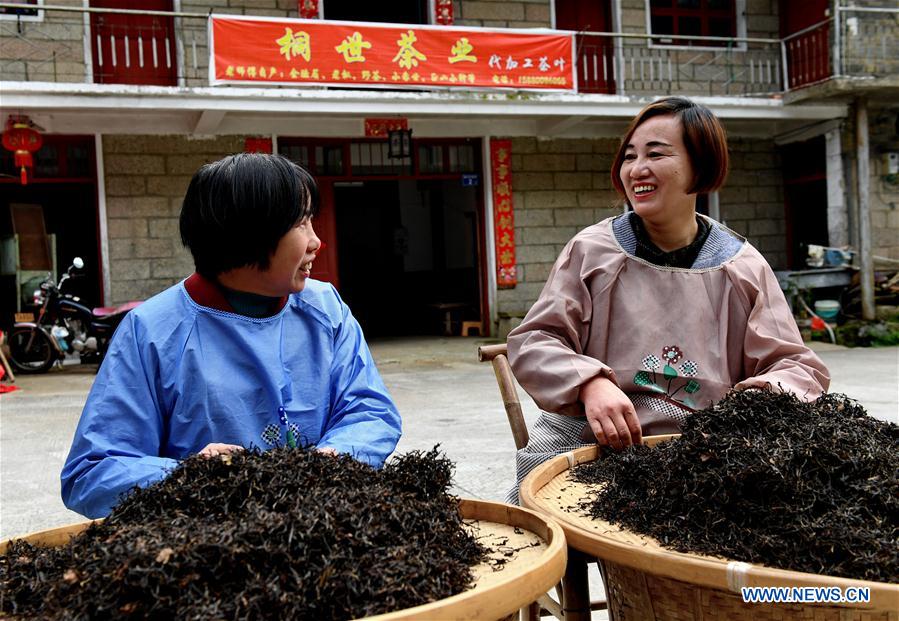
x=807, y=55
x=78, y=44
x=623, y=63
x=867, y=42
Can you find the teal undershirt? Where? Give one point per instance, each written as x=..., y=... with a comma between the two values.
x=251, y=304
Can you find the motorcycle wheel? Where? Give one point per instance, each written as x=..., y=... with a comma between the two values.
x=31, y=351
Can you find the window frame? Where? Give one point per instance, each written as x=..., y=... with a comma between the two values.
x=739, y=18
x=431, y=9
x=26, y=18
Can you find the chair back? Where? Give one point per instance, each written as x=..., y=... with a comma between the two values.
x=497, y=355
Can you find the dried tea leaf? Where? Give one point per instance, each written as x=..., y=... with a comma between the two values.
x=765, y=477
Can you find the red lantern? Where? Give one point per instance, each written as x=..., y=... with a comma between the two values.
x=22, y=139
x=443, y=12
x=308, y=9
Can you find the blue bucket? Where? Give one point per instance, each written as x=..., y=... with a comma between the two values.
x=827, y=309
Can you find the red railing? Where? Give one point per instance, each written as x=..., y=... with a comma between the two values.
x=808, y=55
x=595, y=65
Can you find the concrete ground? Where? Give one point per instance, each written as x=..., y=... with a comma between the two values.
x=444, y=395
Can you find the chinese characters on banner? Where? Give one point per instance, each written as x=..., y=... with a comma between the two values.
x=503, y=212
x=292, y=51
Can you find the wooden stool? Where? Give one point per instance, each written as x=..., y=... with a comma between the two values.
x=447, y=309
x=467, y=326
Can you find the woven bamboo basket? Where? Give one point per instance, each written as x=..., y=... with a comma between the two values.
x=645, y=581
x=536, y=566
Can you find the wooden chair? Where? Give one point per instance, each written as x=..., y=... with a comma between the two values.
x=571, y=602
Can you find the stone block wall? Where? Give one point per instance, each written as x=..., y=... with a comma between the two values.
x=559, y=187
x=146, y=178
x=194, y=35
x=562, y=186
x=503, y=13
x=870, y=41
x=51, y=50
x=752, y=200
x=681, y=70
x=883, y=191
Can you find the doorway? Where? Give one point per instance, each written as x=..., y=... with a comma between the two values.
x=61, y=198
x=70, y=220
x=805, y=198
x=807, y=55
x=595, y=55
x=134, y=48
x=407, y=254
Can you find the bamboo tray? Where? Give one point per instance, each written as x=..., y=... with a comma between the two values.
x=647, y=581
x=527, y=574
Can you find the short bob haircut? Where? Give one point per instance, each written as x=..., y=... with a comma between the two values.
x=704, y=138
x=237, y=209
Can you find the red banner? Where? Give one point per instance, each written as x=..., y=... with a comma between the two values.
x=503, y=213
x=293, y=51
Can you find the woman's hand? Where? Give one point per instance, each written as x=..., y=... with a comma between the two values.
x=214, y=449
x=610, y=413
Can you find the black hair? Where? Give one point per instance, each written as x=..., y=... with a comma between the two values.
x=237, y=209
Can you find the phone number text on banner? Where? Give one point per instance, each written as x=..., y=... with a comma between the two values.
x=295, y=51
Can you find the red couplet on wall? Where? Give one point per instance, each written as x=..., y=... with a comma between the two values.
x=503, y=213
x=293, y=51
x=443, y=12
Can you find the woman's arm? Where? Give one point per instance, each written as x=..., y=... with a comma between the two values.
x=118, y=439
x=547, y=356
x=363, y=421
x=774, y=354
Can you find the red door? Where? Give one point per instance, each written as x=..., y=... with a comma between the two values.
x=808, y=54
x=595, y=55
x=133, y=49
x=325, y=226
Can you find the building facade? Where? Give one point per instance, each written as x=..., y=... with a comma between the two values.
x=124, y=103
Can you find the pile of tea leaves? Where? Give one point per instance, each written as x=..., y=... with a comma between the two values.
x=766, y=478
x=285, y=534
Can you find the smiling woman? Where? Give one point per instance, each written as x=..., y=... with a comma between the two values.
x=654, y=314
x=248, y=351
x=672, y=151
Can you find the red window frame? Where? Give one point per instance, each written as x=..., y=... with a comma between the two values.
x=408, y=172
x=705, y=11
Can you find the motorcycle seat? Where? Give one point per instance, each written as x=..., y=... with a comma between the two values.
x=105, y=311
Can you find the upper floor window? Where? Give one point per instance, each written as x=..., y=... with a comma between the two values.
x=28, y=12
x=706, y=18
x=395, y=11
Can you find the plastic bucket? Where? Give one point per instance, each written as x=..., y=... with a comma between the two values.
x=827, y=309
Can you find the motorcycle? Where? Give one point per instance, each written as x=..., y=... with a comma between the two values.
x=64, y=325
